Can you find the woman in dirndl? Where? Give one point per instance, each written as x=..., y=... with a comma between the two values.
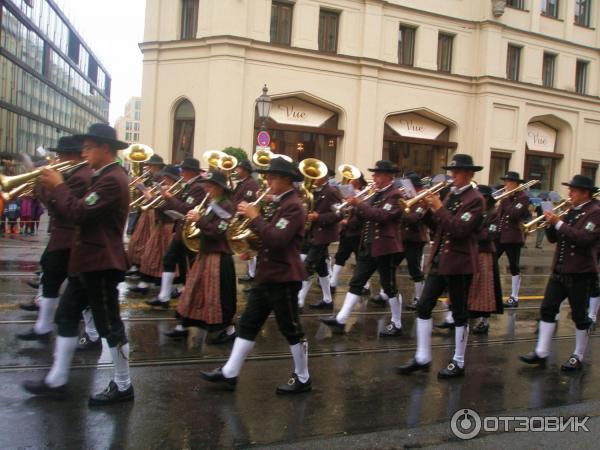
x=485, y=295
x=209, y=298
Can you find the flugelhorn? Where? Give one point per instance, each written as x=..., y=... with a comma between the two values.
x=408, y=204
x=501, y=194
x=540, y=222
x=190, y=234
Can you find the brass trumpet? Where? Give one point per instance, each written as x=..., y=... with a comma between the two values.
x=365, y=194
x=241, y=239
x=501, y=194
x=540, y=222
x=159, y=200
x=408, y=204
x=190, y=234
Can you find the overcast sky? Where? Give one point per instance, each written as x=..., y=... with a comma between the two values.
x=112, y=29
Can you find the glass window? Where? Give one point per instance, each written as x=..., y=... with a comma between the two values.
x=281, y=23
x=328, y=31
x=513, y=62
x=406, y=45
x=590, y=170
x=444, y=54
x=550, y=8
x=540, y=168
x=581, y=77
x=582, y=12
x=74, y=47
x=183, y=131
x=548, y=69
x=499, y=163
x=189, y=19
x=518, y=4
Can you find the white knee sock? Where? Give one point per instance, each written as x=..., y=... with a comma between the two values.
x=63, y=355
x=252, y=267
x=166, y=286
x=593, y=309
x=120, y=357
x=383, y=295
x=461, y=335
x=367, y=285
x=449, y=317
x=45, y=320
x=350, y=302
x=300, y=355
x=303, y=256
x=516, y=284
x=335, y=275
x=303, y=292
x=423, y=354
x=419, y=285
x=326, y=289
x=581, y=341
x=329, y=266
x=546, y=331
x=241, y=348
x=90, y=325
x=396, y=308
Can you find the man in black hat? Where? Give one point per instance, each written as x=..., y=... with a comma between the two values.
x=245, y=191
x=55, y=259
x=512, y=211
x=96, y=265
x=279, y=275
x=574, y=269
x=453, y=261
x=380, y=246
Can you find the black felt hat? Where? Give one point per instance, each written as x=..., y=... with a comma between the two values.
x=217, y=178
x=281, y=166
x=67, y=144
x=512, y=176
x=103, y=133
x=582, y=182
x=384, y=166
x=462, y=161
x=415, y=179
x=170, y=171
x=155, y=160
x=485, y=190
x=190, y=164
x=245, y=164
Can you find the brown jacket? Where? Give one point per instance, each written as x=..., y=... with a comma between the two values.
x=577, y=241
x=191, y=196
x=489, y=232
x=278, y=260
x=455, y=245
x=512, y=212
x=62, y=232
x=213, y=227
x=100, y=217
x=382, y=215
x=413, y=228
x=325, y=229
x=353, y=227
x=245, y=191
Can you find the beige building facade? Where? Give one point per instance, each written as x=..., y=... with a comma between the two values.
x=128, y=125
x=515, y=84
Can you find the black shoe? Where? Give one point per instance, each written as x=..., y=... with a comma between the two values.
x=31, y=306
x=333, y=324
x=391, y=331
x=85, y=344
x=111, y=395
x=332, y=289
x=175, y=294
x=157, y=303
x=511, y=303
x=412, y=366
x=322, y=305
x=412, y=306
x=294, y=386
x=138, y=290
x=378, y=300
x=480, y=328
x=365, y=291
x=572, y=364
x=533, y=358
x=451, y=371
x=43, y=390
x=176, y=334
x=246, y=279
x=33, y=284
x=223, y=338
x=216, y=376
x=444, y=325
x=31, y=335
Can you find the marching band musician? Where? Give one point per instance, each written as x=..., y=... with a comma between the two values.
x=512, y=211
x=143, y=226
x=574, y=268
x=209, y=298
x=453, y=261
x=322, y=232
x=55, y=259
x=279, y=275
x=380, y=247
x=96, y=265
x=177, y=256
x=595, y=289
x=245, y=191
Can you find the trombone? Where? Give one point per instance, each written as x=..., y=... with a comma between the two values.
x=436, y=188
x=501, y=194
x=540, y=222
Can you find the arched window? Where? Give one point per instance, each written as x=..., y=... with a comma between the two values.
x=183, y=131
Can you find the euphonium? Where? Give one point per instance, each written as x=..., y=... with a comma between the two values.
x=349, y=173
x=136, y=154
x=242, y=240
x=226, y=164
x=312, y=169
x=501, y=194
x=212, y=157
x=262, y=160
x=190, y=234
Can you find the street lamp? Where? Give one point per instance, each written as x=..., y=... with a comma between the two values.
x=263, y=104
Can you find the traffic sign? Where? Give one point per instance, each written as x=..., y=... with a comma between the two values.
x=263, y=139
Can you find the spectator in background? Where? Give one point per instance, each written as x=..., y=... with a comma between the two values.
x=37, y=210
x=26, y=222
x=12, y=212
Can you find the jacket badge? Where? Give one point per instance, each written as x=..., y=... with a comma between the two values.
x=519, y=205
x=590, y=226
x=92, y=199
x=387, y=207
x=282, y=223
x=466, y=217
x=249, y=193
x=222, y=225
x=493, y=228
x=420, y=210
x=189, y=200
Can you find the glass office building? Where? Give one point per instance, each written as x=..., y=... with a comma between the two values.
x=51, y=84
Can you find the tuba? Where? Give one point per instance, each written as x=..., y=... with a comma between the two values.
x=241, y=239
x=312, y=169
x=349, y=173
x=211, y=158
x=226, y=164
x=190, y=234
x=262, y=160
x=135, y=155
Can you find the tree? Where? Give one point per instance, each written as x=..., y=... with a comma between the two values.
x=238, y=153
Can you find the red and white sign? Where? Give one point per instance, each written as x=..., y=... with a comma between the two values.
x=263, y=139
